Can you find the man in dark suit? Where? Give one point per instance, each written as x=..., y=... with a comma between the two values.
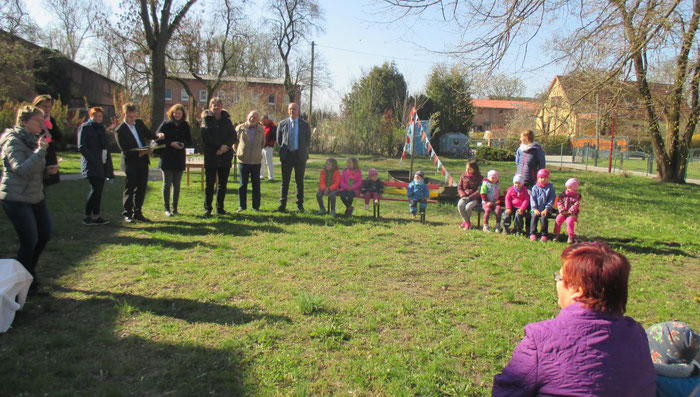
x=293, y=138
x=132, y=137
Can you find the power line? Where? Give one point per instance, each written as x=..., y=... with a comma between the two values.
x=375, y=55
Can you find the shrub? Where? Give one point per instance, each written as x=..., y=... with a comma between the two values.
x=494, y=154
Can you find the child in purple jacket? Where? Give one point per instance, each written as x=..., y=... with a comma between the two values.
x=568, y=205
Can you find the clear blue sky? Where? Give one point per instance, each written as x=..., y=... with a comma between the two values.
x=357, y=38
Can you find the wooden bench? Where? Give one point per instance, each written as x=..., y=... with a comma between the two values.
x=376, y=207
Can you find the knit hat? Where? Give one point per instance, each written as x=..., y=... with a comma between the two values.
x=572, y=183
x=518, y=178
x=543, y=173
x=420, y=174
x=492, y=173
x=673, y=346
x=373, y=172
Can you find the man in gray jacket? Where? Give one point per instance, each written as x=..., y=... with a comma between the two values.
x=293, y=138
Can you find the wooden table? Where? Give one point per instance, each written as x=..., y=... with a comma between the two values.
x=195, y=161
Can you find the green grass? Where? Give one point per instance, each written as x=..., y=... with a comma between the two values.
x=638, y=165
x=299, y=304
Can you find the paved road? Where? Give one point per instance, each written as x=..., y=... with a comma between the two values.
x=565, y=162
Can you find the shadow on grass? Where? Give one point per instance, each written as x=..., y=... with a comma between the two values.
x=638, y=246
x=97, y=346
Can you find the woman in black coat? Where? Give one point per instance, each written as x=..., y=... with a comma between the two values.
x=218, y=137
x=173, y=157
x=95, y=163
x=52, y=135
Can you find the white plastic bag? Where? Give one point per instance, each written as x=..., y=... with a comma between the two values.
x=14, y=285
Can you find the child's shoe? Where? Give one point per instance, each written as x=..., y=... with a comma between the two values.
x=463, y=225
x=366, y=207
x=497, y=229
x=486, y=228
x=376, y=201
x=556, y=237
x=543, y=239
x=570, y=240
x=533, y=237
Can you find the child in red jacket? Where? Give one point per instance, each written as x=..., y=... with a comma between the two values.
x=328, y=184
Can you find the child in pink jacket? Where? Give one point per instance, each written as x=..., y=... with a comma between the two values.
x=568, y=206
x=350, y=183
x=517, y=203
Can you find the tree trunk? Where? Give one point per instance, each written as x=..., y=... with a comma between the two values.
x=157, y=85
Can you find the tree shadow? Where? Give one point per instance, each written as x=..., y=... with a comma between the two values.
x=96, y=347
x=638, y=246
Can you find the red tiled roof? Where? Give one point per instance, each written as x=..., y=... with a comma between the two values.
x=504, y=104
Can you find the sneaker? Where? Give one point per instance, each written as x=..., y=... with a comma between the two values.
x=87, y=221
x=497, y=229
x=376, y=201
x=533, y=237
x=366, y=207
x=207, y=214
x=281, y=209
x=463, y=225
x=570, y=240
x=239, y=210
x=300, y=209
x=321, y=212
x=556, y=237
x=486, y=229
x=543, y=239
x=468, y=225
x=128, y=219
x=99, y=221
x=141, y=218
x=168, y=213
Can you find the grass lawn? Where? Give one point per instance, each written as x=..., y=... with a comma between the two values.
x=637, y=164
x=299, y=304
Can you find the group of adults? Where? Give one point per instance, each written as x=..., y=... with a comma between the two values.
x=589, y=348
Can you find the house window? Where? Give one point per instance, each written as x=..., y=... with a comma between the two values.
x=202, y=95
x=168, y=94
x=271, y=99
x=183, y=95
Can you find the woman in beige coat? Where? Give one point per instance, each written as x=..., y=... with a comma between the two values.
x=251, y=140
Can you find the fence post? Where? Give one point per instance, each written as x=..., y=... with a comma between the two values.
x=585, y=157
x=561, y=155
x=651, y=163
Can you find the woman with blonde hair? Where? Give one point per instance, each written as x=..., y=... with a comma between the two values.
x=51, y=132
x=173, y=157
x=251, y=140
x=23, y=152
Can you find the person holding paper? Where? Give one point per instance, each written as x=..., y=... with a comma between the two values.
x=132, y=138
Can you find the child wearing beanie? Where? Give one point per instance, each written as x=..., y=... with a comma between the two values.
x=568, y=205
x=490, y=194
x=541, y=205
x=517, y=203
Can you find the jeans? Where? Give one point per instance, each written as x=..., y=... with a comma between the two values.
x=412, y=206
x=32, y=223
x=346, y=197
x=171, y=177
x=465, y=207
x=331, y=197
x=544, y=222
x=267, y=160
x=92, y=206
x=519, y=220
x=251, y=171
x=210, y=175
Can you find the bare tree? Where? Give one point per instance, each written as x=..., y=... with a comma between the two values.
x=499, y=86
x=15, y=19
x=295, y=22
x=621, y=36
x=207, y=48
x=73, y=24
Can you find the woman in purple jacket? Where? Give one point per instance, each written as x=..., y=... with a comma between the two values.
x=590, y=348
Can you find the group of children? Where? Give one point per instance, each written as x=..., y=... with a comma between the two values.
x=539, y=199
x=473, y=190
x=349, y=185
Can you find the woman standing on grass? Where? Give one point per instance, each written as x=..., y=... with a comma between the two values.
x=529, y=158
x=51, y=132
x=173, y=157
x=590, y=348
x=251, y=140
x=95, y=163
x=23, y=153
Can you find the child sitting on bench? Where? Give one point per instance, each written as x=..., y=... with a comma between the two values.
x=418, y=192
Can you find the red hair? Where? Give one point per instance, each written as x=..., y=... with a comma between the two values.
x=95, y=109
x=600, y=272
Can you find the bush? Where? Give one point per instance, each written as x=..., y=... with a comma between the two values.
x=553, y=144
x=494, y=154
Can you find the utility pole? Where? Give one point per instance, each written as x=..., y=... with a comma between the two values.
x=311, y=87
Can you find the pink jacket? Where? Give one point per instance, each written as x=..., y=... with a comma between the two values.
x=570, y=202
x=517, y=200
x=356, y=176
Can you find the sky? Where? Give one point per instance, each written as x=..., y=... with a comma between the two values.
x=358, y=36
